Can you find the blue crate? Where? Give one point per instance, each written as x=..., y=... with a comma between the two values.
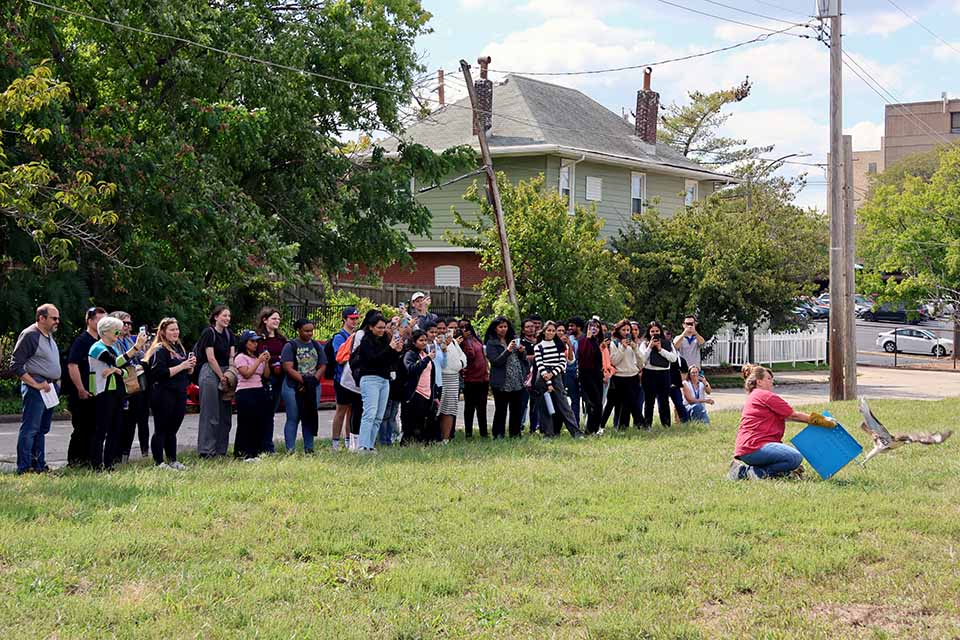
x=827, y=450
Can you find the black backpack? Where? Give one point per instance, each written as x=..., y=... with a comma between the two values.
x=331, y=356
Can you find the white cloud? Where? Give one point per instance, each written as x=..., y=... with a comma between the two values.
x=945, y=52
x=882, y=23
x=866, y=135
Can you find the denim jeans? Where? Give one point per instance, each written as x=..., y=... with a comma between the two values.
x=771, y=460
x=388, y=426
x=375, y=391
x=572, y=385
x=293, y=418
x=698, y=413
x=34, y=426
x=529, y=409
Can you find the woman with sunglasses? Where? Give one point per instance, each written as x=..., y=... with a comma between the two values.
x=136, y=415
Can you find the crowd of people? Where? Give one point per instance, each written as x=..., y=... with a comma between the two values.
x=398, y=379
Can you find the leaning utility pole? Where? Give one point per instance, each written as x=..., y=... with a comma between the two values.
x=838, y=295
x=493, y=192
x=849, y=275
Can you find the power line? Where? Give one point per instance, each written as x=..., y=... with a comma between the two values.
x=762, y=37
x=751, y=13
x=730, y=20
x=781, y=8
x=890, y=95
x=922, y=26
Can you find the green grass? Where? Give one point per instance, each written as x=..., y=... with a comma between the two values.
x=627, y=536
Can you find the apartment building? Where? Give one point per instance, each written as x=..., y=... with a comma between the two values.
x=916, y=127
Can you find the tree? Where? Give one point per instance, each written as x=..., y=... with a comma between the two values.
x=692, y=129
x=724, y=264
x=232, y=179
x=910, y=228
x=561, y=264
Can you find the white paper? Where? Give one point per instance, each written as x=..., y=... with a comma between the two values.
x=50, y=398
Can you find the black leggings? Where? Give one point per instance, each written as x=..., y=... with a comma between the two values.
x=475, y=401
x=169, y=406
x=628, y=396
x=591, y=390
x=656, y=388
x=414, y=416
x=502, y=401
x=136, y=422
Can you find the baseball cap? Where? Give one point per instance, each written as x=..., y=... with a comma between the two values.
x=249, y=335
x=417, y=296
x=350, y=312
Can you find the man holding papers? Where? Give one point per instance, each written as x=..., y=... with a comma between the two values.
x=36, y=361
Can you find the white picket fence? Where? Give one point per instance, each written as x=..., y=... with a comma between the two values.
x=730, y=347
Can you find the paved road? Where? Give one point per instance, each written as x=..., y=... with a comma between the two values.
x=806, y=388
x=869, y=353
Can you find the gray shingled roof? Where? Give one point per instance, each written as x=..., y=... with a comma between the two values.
x=532, y=112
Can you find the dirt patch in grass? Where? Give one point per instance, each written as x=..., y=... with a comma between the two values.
x=720, y=617
x=885, y=618
x=133, y=593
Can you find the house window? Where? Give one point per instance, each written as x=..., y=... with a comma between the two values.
x=447, y=275
x=594, y=189
x=692, y=192
x=872, y=168
x=638, y=191
x=955, y=122
x=565, y=181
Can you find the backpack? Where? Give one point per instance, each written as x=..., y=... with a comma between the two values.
x=331, y=357
x=343, y=353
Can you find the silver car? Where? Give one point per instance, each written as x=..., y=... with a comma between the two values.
x=910, y=340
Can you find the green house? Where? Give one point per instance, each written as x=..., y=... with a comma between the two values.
x=582, y=149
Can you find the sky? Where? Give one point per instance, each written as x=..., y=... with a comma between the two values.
x=789, y=103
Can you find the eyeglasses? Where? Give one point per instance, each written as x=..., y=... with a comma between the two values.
x=127, y=323
x=53, y=318
x=116, y=333
x=688, y=324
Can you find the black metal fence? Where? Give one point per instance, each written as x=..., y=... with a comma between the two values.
x=328, y=319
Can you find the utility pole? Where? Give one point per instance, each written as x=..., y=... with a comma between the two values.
x=493, y=192
x=831, y=9
x=849, y=280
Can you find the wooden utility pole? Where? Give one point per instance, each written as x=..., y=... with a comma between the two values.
x=849, y=280
x=837, y=244
x=493, y=192
x=441, y=97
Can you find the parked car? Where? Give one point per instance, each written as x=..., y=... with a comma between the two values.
x=810, y=309
x=910, y=340
x=894, y=313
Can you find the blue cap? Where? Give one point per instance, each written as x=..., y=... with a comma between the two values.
x=249, y=335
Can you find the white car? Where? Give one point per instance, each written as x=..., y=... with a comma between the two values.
x=914, y=341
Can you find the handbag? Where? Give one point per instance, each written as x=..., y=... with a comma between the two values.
x=133, y=378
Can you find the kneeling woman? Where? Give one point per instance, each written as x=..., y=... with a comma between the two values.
x=760, y=452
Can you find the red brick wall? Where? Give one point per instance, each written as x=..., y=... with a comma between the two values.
x=423, y=272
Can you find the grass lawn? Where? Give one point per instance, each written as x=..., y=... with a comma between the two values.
x=627, y=536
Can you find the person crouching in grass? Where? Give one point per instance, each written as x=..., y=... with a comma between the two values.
x=760, y=452
x=254, y=404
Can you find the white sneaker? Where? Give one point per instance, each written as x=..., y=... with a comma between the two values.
x=179, y=466
x=164, y=465
x=251, y=459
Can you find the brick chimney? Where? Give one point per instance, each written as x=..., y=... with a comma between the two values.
x=648, y=111
x=484, y=90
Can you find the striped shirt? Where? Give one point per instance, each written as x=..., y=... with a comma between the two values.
x=550, y=359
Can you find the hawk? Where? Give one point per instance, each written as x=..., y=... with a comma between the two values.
x=884, y=441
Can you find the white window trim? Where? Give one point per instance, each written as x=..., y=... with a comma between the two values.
x=686, y=191
x=599, y=185
x=571, y=168
x=643, y=190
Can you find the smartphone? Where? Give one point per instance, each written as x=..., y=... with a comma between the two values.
x=143, y=329
x=516, y=341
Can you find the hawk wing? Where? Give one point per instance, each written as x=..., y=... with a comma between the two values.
x=872, y=426
x=923, y=438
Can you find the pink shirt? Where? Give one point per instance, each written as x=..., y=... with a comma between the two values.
x=253, y=382
x=426, y=379
x=763, y=421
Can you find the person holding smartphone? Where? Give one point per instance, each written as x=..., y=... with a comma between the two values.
x=376, y=357
x=168, y=376
x=658, y=354
x=590, y=375
x=254, y=405
x=625, y=390
x=507, y=373
x=136, y=413
x=454, y=361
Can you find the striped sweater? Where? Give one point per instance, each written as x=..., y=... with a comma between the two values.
x=550, y=358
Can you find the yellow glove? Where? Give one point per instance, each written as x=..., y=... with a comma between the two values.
x=818, y=420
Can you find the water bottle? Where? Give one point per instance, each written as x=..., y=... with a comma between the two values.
x=549, y=400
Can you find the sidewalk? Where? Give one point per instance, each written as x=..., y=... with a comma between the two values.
x=804, y=388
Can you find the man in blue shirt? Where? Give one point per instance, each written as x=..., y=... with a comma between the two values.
x=344, y=397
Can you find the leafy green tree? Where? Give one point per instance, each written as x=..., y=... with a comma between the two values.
x=232, y=177
x=561, y=265
x=724, y=264
x=910, y=229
